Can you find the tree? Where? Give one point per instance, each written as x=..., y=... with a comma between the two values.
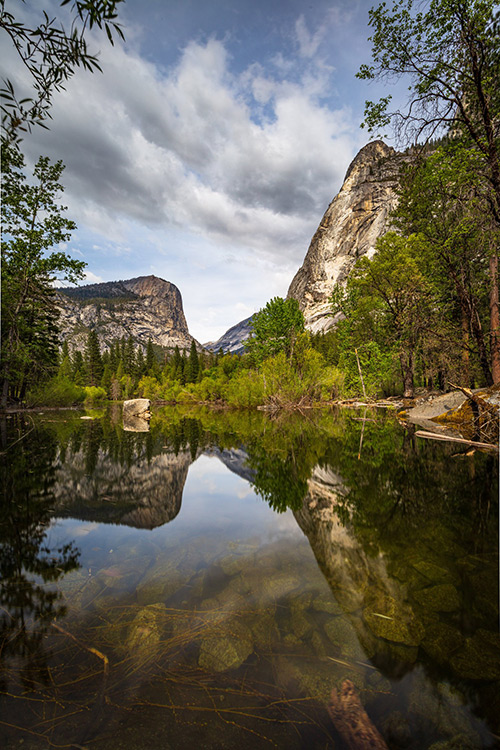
x=192, y=364
x=150, y=357
x=274, y=329
x=93, y=359
x=51, y=54
x=442, y=199
x=32, y=224
x=450, y=54
x=392, y=292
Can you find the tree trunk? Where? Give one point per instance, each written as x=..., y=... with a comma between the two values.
x=465, y=374
x=351, y=720
x=494, y=320
x=406, y=361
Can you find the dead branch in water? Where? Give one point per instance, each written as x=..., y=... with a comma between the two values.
x=351, y=720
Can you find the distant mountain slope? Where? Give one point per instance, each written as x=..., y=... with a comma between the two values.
x=144, y=307
x=232, y=341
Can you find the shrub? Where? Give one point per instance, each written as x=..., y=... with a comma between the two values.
x=59, y=391
x=94, y=394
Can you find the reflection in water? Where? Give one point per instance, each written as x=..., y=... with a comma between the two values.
x=230, y=622
x=29, y=566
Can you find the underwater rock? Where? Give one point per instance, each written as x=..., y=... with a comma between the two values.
x=441, y=598
x=434, y=573
x=265, y=632
x=227, y=649
x=160, y=587
x=396, y=730
x=145, y=631
x=232, y=564
x=341, y=633
x=459, y=742
x=393, y=620
x=440, y=708
x=440, y=641
x=479, y=659
x=326, y=603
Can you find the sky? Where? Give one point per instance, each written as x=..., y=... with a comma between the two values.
x=211, y=145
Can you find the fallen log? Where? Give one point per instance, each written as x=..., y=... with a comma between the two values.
x=351, y=720
x=439, y=436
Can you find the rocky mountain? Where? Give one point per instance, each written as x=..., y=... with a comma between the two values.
x=353, y=221
x=232, y=341
x=349, y=229
x=144, y=307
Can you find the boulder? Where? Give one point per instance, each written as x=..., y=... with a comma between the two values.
x=137, y=407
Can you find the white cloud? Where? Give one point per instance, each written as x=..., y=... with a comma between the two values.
x=184, y=148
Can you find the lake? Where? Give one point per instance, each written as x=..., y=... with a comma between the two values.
x=209, y=582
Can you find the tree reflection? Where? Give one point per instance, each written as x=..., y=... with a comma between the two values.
x=28, y=565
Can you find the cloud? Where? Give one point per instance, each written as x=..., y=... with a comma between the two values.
x=245, y=159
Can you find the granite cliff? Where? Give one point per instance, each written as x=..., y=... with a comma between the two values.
x=144, y=307
x=353, y=221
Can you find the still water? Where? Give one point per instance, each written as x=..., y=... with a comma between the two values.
x=210, y=582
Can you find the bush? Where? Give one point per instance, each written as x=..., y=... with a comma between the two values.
x=94, y=394
x=59, y=391
x=246, y=389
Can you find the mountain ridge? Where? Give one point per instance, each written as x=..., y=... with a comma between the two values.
x=145, y=307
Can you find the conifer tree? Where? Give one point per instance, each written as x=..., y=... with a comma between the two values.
x=93, y=359
x=192, y=365
x=150, y=357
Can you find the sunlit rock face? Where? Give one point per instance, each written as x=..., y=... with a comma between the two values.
x=145, y=308
x=145, y=494
x=353, y=221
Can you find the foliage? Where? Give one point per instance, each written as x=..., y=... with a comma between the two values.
x=59, y=391
x=51, y=54
x=274, y=329
x=94, y=394
x=32, y=224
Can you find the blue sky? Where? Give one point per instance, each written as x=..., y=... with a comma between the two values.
x=208, y=150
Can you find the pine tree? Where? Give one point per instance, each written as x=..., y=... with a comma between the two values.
x=150, y=357
x=192, y=365
x=78, y=368
x=93, y=359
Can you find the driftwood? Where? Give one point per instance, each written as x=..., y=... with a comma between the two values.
x=439, y=436
x=351, y=720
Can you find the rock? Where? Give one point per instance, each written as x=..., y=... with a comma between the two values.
x=145, y=631
x=341, y=633
x=232, y=340
x=441, y=641
x=137, y=407
x=356, y=217
x=325, y=603
x=136, y=424
x=145, y=308
x=227, y=649
x=393, y=620
x=441, y=598
x=479, y=659
x=459, y=742
x=434, y=573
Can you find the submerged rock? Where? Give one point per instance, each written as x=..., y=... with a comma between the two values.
x=479, y=659
x=393, y=620
x=145, y=631
x=441, y=598
x=441, y=641
x=227, y=649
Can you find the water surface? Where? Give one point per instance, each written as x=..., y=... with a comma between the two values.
x=211, y=581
